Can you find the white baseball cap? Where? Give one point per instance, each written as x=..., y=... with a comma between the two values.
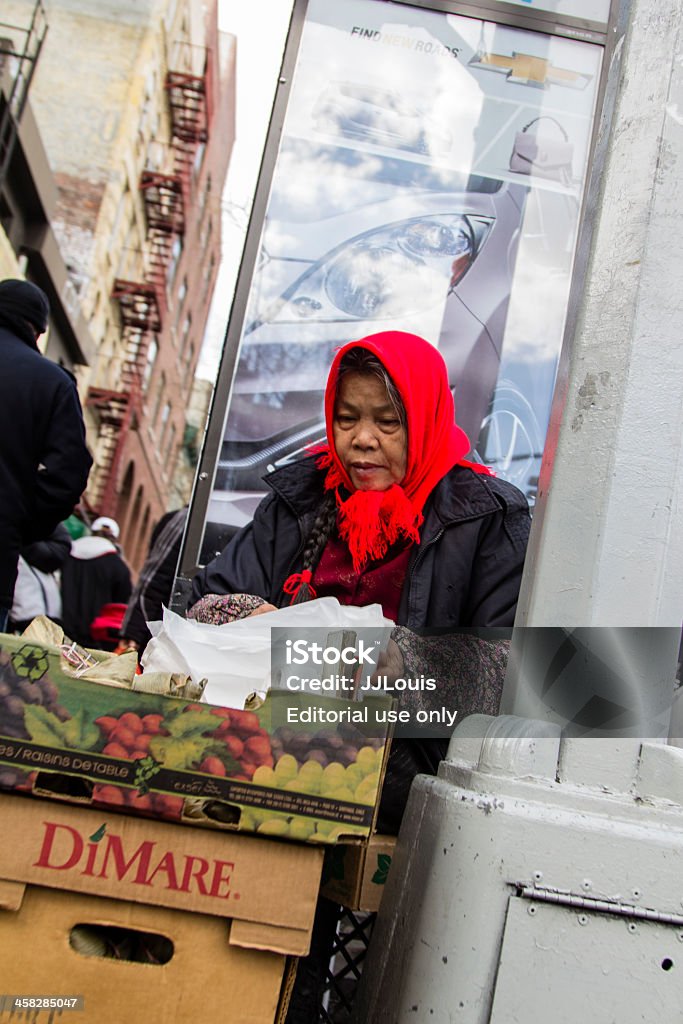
x=105, y=523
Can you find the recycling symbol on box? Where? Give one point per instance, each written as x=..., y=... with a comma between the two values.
x=30, y=662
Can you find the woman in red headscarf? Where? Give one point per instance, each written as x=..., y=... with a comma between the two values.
x=389, y=511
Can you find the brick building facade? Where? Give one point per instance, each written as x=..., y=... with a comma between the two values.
x=135, y=104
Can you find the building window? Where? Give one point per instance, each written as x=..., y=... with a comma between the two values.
x=165, y=413
x=176, y=253
x=198, y=160
x=205, y=237
x=180, y=299
x=189, y=365
x=185, y=333
x=171, y=442
x=159, y=397
x=152, y=351
x=208, y=280
x=204, y=197
x=170, y=15
x=119, y=215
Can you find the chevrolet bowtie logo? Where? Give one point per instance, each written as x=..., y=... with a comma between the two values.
x=524, y=69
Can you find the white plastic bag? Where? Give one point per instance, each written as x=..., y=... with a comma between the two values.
x=235, y=658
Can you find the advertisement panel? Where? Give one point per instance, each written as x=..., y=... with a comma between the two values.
x=429, y=179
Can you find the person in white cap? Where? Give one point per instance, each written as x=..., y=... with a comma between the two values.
x=93, y=576
x=105, y=527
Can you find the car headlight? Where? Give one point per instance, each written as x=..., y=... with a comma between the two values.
x=398, y=270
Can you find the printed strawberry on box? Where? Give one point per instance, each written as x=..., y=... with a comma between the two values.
x=300, y=766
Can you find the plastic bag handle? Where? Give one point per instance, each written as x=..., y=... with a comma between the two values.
x=547, y=117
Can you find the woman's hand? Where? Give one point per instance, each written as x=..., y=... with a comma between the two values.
x=389, y=664
x=261, y=609
x=219, y=609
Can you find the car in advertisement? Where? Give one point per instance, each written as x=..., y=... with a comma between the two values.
x=407, y=249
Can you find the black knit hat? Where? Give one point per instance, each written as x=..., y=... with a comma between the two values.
x=25, y=300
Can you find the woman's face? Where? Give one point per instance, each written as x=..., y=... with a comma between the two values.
x=370, y=441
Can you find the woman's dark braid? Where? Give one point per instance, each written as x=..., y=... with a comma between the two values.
x=357, y=360
x=321, y=530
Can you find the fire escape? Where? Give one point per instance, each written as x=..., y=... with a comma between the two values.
x=19, y=51
x=165, y=185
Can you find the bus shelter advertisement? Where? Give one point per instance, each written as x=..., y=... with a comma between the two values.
x=428, y=179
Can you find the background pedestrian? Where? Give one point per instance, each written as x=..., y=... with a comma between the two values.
x=94, y=575
x=44, y=460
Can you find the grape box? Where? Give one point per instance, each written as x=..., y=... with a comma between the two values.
x=300, y=766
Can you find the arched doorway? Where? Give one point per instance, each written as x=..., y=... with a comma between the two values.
x=123, y=501
x=131, y=541
x=141, y=541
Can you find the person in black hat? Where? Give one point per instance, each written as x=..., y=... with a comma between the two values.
x=44, y=460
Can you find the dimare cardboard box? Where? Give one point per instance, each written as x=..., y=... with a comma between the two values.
x=314, y=779
x=355, y=876
x=230, y=911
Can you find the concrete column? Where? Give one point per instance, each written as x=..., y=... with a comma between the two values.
x=528, y=887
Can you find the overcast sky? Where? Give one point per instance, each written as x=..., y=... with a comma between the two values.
x=261, y=28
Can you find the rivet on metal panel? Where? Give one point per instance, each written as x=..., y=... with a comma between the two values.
x=283, y=81
x=531, y=910
x=632, y=926
x=203, y=476
x=583, y=918
x=680, y=936
x=538, y=875
x=636, y=894
x=586, y=884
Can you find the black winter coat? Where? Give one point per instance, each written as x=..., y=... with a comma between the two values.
x=466, y=570
x=154, y=588
x=44, y=461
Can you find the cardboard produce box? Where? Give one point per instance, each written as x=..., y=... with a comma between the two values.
x=314, y=779
x=222, y=913
x=355, y=875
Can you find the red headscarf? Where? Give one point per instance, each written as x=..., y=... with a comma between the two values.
x=370, y=521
